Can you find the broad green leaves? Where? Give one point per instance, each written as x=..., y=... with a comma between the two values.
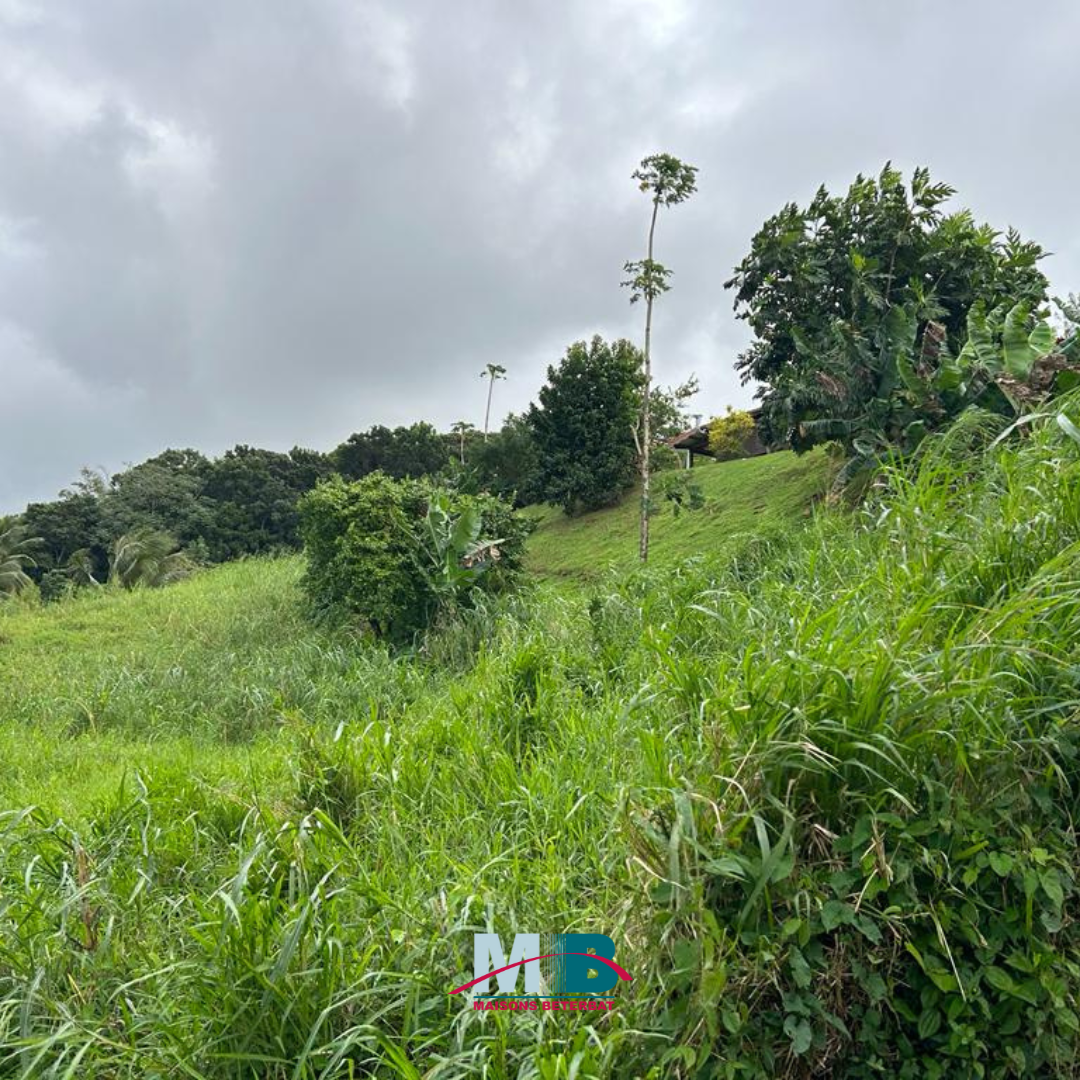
x=834, y=291
x=1009, y=339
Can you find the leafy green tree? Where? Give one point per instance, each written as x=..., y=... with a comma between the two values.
x=1011, y=363
x=414, y=451
x=492, y=373
x=668, y=412
x=242, y=503
x=583, y=428
x=252, y=496
x=72, y=523
x=667, y=181
x=821, y=286
x=508, y=464
x=165, y=493
x=309, y=467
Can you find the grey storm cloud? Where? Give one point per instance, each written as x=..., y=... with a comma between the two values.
x=279, y=222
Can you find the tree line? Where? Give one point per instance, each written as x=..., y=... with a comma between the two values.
x=574, y=447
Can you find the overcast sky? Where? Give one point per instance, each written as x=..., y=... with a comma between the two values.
x=280, y=221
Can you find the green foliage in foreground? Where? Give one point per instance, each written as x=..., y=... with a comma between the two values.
x=821, y=792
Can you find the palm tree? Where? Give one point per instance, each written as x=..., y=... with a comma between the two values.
x=493, y=372
x=80, y=567
x=15, y=558
x=461, y=428
x=146, y=557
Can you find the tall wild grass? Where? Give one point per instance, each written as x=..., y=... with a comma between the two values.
x=821, y=793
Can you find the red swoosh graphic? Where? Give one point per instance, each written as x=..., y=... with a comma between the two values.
x=624, y=975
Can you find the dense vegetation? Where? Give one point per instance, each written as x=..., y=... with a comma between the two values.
x=576, y=448
x=583, y=425
x=397, y=557
x=860, y=303
x=821, y=792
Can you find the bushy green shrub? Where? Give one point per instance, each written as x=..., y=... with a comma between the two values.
x=55, y=585
x=729, y=434
x=393, y=555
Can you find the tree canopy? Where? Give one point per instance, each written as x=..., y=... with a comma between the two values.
x=583, y=427
x=414, y=451
x=819, y=284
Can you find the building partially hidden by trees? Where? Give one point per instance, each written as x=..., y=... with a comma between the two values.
x=735, y=435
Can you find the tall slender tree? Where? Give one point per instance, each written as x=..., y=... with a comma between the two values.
x=461, y=428
x=668, y=181
x=491, y=373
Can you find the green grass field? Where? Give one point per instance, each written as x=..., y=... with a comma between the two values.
x=818, y=784
x=755, y=496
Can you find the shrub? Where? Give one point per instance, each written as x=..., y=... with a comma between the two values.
x=729, y=434
x=395, y=555
x=55, y=585
x=682, y=490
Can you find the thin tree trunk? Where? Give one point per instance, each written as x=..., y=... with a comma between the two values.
x=487, y=412
x=646, y=409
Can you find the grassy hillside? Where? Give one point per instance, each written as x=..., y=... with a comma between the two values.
x=186, y=681
x=822, y=797
x=757, y=495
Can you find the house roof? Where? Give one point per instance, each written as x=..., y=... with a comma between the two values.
x=695, y=439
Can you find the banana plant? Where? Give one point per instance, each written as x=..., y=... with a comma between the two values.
x=1000, y=341
x=452, y=557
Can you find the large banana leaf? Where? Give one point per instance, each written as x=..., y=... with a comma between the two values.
x=979, y=349
x=1019, y=353
x=899, y=329
x=466, y=531
x=1042, y=339
x=950, y=371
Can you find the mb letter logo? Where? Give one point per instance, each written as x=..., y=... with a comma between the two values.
x=555, y=965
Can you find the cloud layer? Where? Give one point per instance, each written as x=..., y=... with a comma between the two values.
x=281, y=222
